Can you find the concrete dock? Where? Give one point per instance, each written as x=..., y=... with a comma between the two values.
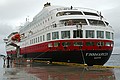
x=58, y=71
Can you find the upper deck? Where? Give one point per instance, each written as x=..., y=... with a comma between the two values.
x=57, y=20
x=51, y=15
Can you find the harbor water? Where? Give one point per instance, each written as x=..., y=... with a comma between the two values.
x=43, y=71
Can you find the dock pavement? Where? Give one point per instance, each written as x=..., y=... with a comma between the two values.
x=43, y=70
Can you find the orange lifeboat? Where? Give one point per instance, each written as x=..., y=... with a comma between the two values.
x=16, y=37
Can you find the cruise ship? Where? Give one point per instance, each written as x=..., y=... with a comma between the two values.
x=64, y=34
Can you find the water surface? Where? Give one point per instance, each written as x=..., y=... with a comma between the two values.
x=43, y=71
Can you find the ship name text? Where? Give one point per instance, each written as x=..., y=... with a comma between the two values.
x=96, y=54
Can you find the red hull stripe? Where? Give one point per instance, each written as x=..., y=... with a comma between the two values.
x=86, y=45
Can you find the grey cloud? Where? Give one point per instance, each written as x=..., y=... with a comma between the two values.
x=5, y=29
x=2, y=48
x=19, y=8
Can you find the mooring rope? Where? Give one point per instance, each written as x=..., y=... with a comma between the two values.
x=83, y=57
x=41, y=54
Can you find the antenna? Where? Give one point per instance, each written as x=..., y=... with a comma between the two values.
x=27, y=19
x=100, y=16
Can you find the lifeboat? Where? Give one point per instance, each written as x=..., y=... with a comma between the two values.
x=16, y=37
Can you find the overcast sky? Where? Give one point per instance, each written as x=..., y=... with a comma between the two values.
x=14, y=12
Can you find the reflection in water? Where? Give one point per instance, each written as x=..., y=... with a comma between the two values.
x=16, y=74
x=5, y=63
x=2, y=62
x=71, y=73
x=55, y=72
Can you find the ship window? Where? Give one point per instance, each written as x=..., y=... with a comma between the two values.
x=55, y=35
x=34, y=40
x=48, y=36
x=78, y=44
x=65, y=44
x=69, y=13
x=30, y=42
x=89, y=43
x=45, y=20
x=100, y=34
x=96, y=22
x=77, y=34
x=56, y=44
x=112, y=35
x=65, y=34
x=90, y=34
x=50, y=45
x=43, y=37
x=100, y=43
x=89, y=13
x=54, y=25
x=73, y=22
x=112, y=44
x=107, y=44
x=107, y=35
x=38, y=39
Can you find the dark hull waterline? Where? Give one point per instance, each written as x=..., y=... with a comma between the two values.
x=89, y=57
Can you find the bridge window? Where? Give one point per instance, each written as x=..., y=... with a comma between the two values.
x=69, y=13
x=90, y=34
x=73, y=22
x=65, y=34
x=89, y=13
x=96, y=22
